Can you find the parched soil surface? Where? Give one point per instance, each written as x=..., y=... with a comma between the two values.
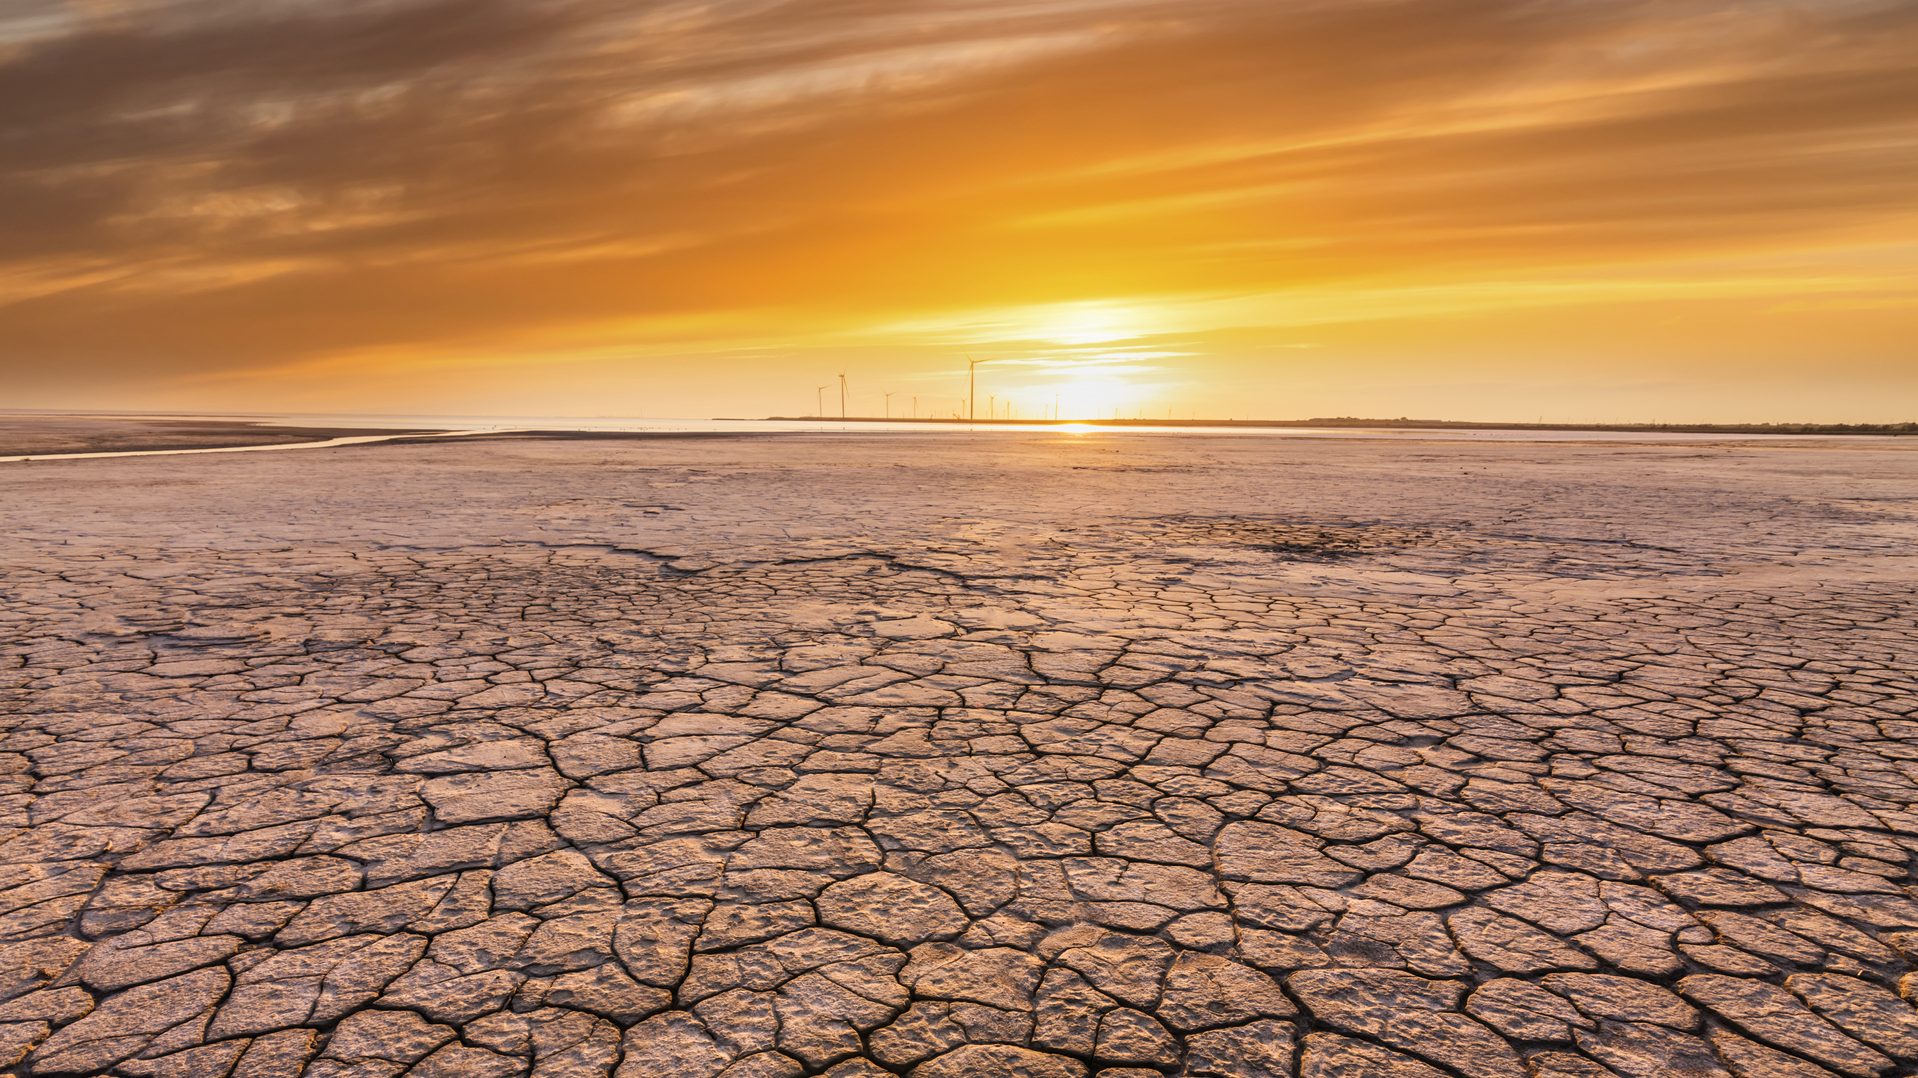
x=946, y=755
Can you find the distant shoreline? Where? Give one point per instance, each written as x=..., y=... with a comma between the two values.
x=25, y=435
x=1350, y=423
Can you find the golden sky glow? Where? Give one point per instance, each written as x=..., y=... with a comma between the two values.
x=1488, y=209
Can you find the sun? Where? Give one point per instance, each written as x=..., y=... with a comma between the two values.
x=1096, y=395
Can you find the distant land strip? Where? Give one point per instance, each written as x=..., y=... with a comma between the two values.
x=1350, y=422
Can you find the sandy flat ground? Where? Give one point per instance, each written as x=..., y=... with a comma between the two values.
x=947, y=755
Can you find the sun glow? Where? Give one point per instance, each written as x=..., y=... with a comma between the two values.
x=1083, y=360
x=1086, y=323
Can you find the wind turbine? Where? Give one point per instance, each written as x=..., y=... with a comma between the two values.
x=888, y=406
x=819, y=409
x=842, y=396
x=972, y=389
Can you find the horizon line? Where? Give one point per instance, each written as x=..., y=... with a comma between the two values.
x=1909, y=426
x=1357, y=422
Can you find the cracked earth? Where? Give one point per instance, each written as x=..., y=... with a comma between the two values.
x=943, y=756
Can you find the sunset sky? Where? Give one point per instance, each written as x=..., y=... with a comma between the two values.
x=1479, y=209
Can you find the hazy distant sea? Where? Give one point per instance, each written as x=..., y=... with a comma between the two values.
x=645, y=424
x=668, y=425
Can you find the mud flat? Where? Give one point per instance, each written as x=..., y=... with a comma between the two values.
x=38, y=434
x=946, y=755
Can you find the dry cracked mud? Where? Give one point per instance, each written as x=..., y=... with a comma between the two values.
x=953, y=756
